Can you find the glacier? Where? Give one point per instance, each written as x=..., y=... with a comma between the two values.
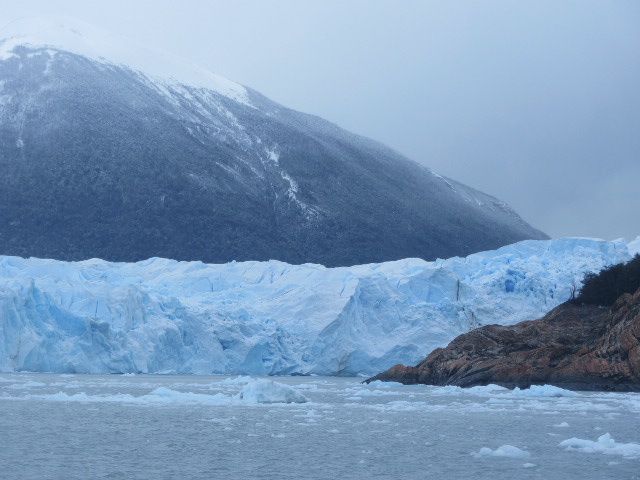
x=274, y=318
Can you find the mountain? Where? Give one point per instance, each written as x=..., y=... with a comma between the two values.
x=160, y=316
x=110, y=150
x=577, y=345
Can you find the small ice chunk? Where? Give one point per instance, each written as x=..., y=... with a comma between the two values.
x=381, y=384
x=239, y=380
x=28, y=384
x=307, y=386
x=158, y=396
x=268, y=391
x=543, y=391
x=480, y=390
x=488, y=389
x=561, y=425
x=508, y=451
x=529, y=465
x=605, y=444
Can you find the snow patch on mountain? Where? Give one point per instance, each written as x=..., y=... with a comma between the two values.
x=270, y=317
x=75, y=36
x=273, y=159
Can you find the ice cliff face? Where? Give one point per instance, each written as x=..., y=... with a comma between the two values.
x=98, y=135
x=270, y=317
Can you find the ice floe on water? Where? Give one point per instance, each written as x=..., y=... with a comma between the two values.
x=508, y=451
x=381, y=384
x=268, y=391
x=379, y=430
x=481, y=390
x=158, y=396
x=543, y=391
x=239, y=380
x=27, y=385
x=604, y=444
x=491, y=390
x=377, y=396
x=253, y=391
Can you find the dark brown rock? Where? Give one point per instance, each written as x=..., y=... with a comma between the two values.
x=579, y=347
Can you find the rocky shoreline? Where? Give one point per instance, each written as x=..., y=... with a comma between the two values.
x=578, y=347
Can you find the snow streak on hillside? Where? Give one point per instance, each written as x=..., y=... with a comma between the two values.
x=271, y=317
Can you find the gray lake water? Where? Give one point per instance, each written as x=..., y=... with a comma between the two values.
x=193, y=427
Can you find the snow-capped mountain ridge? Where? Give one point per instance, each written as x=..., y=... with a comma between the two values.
x=59, y=33
x=177, y=163
x=161, y=315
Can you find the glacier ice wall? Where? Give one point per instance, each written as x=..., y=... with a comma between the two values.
x=165, y=316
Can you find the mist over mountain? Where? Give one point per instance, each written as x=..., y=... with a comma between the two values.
x=113, y=151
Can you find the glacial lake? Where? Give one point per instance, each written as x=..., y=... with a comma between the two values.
x=197, y=427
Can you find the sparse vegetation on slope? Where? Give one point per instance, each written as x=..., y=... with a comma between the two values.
x=605, y=287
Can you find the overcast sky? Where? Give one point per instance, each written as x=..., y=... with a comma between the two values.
x=537, y=102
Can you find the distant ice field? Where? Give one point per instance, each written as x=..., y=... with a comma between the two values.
x=169, y=426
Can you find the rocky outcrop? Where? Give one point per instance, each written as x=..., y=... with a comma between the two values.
x=580, y=347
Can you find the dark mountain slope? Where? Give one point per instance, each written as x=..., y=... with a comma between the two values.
x=103, y=159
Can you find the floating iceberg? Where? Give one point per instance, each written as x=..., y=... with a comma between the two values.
x=267, y=391
x=158, y=396
x=272, y=318
x=543, y=391
x=508, y=451
x=605, y=444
